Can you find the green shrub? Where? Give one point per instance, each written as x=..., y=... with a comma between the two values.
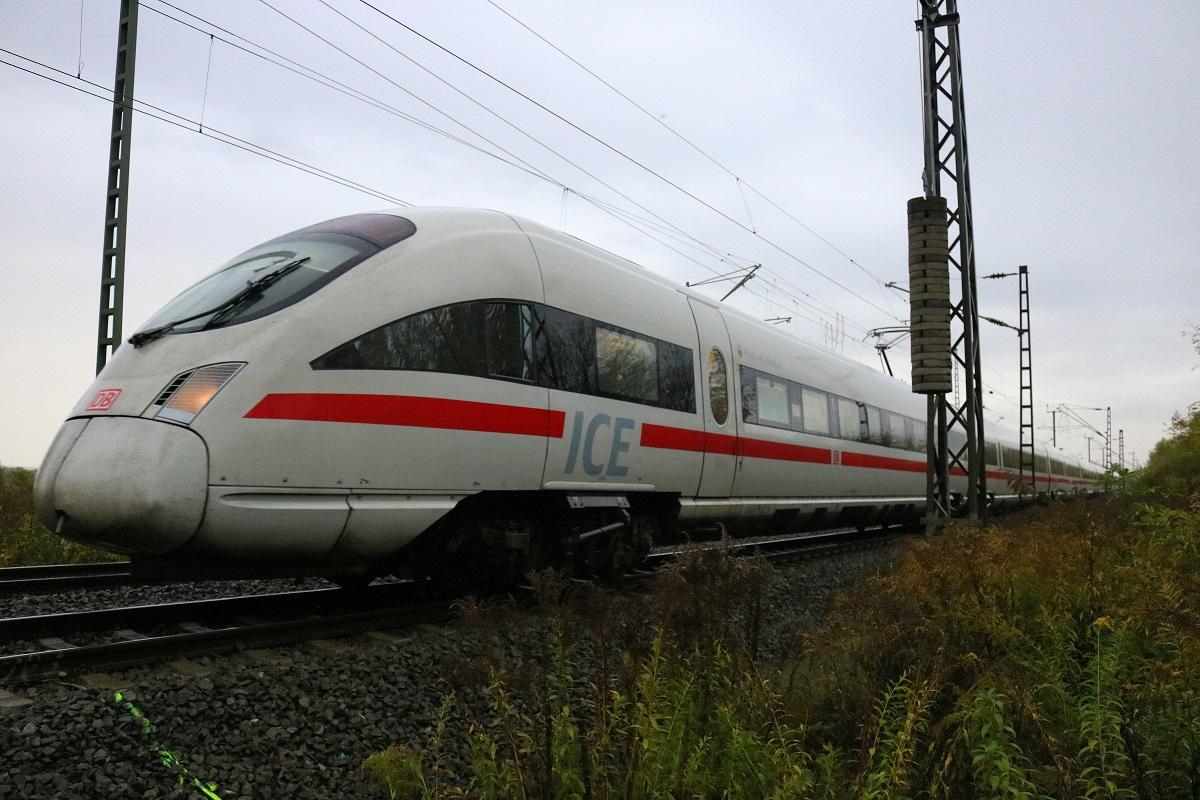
x=1058, y=656
x=24, y=541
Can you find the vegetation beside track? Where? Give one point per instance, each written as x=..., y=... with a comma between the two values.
x=24, y=541
x=1056, y=656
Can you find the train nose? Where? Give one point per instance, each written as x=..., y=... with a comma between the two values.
x=124, y=484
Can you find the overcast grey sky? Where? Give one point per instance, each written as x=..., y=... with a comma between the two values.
x=1083, y=118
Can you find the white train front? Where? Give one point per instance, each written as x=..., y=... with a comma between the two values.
x=405, y=391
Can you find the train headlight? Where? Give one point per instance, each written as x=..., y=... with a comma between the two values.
x=189, y=393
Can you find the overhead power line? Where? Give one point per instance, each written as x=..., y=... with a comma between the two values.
x=308, y=73
x=192, y=125
x=741, y=181
x=532, y=170
x=624, y=155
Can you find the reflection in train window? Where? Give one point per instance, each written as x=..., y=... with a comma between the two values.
x=572, y=353
x=718, y=386
x=780, y=403
x=528, y=342
x=676, y=377
x=626, y=366
x=509, y=328
x=446, y=339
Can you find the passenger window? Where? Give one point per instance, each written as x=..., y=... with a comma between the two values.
x=849, y=420
x=676, y=378
x=874, y=425
x=1012, y=458
x=896, y=430
x=718, y=386
x=916, y=432
x=446, y=339
x=796, y=406
x=816, y=411
x=510, y=330
x=626, y=366
x=749, y=401
x=571, y=356
x=528, y=342
x=772, y=401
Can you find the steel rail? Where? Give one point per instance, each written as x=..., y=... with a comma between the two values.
x=43, y=625
x=341, y=614
x=63, y=577
x=49, y=664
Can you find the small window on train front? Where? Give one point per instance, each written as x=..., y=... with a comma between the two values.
x=445, y=339
x=626, y=366
x=718, y=386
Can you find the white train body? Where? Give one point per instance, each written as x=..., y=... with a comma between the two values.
x=440, y=371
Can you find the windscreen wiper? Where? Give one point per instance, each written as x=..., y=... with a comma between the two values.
x=253, y=289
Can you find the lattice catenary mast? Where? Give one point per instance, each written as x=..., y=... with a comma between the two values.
x=112, y=276
x=955, y=440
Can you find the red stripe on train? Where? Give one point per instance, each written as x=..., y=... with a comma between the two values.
x=667, y=438
x=663, y=437
x=413, y=412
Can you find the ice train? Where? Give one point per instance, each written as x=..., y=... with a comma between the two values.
x=429, y=391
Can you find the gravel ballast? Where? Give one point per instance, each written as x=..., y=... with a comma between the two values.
x=296, y=722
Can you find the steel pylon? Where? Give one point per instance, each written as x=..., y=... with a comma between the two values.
x=956, y=437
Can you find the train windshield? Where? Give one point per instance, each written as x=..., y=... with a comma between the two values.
x=276, y=274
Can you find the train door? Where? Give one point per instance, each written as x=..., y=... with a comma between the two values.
x=718, y=391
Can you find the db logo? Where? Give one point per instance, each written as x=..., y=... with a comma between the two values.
x=103, y=400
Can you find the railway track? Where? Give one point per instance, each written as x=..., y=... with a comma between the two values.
x=795, y=546
x=64, y=577
x=142, y=634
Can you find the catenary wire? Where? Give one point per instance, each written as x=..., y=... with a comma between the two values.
x=555, y=182
x=187, y=124
x=741, y=182
x=631, y=160
x=295, y=67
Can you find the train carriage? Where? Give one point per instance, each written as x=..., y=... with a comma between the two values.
x=400, y=391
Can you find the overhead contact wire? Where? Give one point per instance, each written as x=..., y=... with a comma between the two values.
x=628, y=158
x=688, y=142
x=483, y=107
x=186, y=123
x=308, y=73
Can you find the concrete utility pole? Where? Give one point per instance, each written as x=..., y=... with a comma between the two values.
x=112, y=276
x=955, y=442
